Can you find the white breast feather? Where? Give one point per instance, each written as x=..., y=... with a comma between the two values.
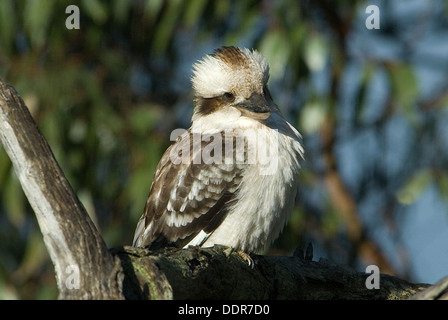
x=267, y=198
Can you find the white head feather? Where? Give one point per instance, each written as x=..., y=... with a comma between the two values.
x=230, y=69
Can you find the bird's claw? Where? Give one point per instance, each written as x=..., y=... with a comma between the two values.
x=246, y=257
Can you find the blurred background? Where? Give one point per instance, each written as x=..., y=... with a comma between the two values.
x=371, y=105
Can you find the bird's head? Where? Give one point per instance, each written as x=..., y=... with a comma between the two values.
x=232, y=78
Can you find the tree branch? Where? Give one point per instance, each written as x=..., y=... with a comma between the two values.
x=73, y=242
x=215, y=273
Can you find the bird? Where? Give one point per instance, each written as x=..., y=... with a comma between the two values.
x=231, y=179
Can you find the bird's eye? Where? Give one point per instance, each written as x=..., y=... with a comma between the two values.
x=228, y=97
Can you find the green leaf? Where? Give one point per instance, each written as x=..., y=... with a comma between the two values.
x=7, y=23
x=96, y=10
x=442, y=183
x=315, y=53
x=194, y=11
x=165, y=28
x=274, y=46
x=313, y=116
x=221, y=9
x=414, y=186
x=37, y=16
x=143, y=118
x=153, y=7
x=404, y=88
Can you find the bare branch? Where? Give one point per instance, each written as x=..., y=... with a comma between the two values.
x=438, y=291
x=71, y=238
x=215, y=273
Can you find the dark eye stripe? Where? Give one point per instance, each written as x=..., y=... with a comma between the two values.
x=206, y=106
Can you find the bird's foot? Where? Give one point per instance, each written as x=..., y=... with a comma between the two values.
x=246, y=257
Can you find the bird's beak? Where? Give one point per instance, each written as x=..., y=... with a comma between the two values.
x=256, y=106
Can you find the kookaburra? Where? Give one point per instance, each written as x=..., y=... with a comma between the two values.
x=214, y=185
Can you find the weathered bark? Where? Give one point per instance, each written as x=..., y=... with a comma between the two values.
x=216, y=273
x=74, y=244
x=438, y=291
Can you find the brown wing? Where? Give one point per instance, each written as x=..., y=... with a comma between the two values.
x=191, y=190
